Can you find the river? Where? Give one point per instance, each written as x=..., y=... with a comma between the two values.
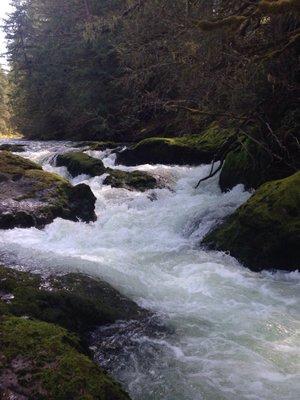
x=232, y=334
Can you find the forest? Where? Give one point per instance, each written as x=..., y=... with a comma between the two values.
x=150, y=200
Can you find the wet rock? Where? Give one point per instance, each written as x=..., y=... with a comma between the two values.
x=15, y=148
x=135, y=180
x=79, y=163
x=264, y=233
x=192, y=149
x=252, y=166
x=43, y=361
x=74, y=301
x=32, y=197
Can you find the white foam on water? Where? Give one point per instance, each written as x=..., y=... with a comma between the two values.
x=236, y=333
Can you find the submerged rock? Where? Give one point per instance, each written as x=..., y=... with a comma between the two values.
x=92, y=145
x=193, y=149
x=43, y=361
x=32, y=197
x=135, y=180
x=252, y=166
x=264, y=233
x=15, y=148
x=79, y=163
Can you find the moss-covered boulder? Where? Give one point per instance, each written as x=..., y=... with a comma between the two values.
x=16, y=148
x=32, y=197
x=79, y=163
x=251, y=165
x=74, y=301
x=42, y=361
x=192, y=149
x=136, y=180
x=264, y=233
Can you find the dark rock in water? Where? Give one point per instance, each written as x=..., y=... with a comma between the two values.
x=74, y=301
x=193, y=149
x=44, y=325
x=252, y=166
x=136, y=180
x=79, y=163
x=15, y=148
x=32, y=197
x=264, y=233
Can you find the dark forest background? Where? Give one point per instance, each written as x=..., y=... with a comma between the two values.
x=128, y=69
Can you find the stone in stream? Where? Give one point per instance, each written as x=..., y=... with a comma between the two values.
x=264, y=233
x=190, y=149
x=80, y=163
x=30, y=196
x=252, y=165
x=44, y=324
x=15, y=148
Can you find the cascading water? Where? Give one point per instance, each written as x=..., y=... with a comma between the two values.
x=232, y=334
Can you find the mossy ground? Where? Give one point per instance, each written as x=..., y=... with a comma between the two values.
x=43, y=361
x=192, y=149
x=265, y=231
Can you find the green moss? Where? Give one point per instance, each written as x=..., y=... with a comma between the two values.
x=44, y=361
x=252, y=166
x=13, y=164
x=75, y=301
x=192, y=149
x=265, y=231
x=80, y=163
x=136, y=180
x=34, y=197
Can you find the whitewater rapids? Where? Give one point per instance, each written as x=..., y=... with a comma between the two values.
x=234, y=334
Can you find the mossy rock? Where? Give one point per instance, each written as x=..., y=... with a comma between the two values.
x=41, y=361
x=32, y=197
x=264, y=233
x=136, y=180
x=79, y=163
x=74, y=301
x=252, y=166
x=192, y=149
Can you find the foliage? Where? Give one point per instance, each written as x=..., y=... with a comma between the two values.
x=109, y=69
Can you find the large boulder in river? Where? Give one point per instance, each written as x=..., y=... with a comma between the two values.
x=32, y=197
x=264, y=233
x=192, y=149
x=252, y=165
x=45, y=324
x=79, y=163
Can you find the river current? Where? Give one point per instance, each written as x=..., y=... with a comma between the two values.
x=232, y=334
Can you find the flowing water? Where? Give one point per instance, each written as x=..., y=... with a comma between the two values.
x=231, y=334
